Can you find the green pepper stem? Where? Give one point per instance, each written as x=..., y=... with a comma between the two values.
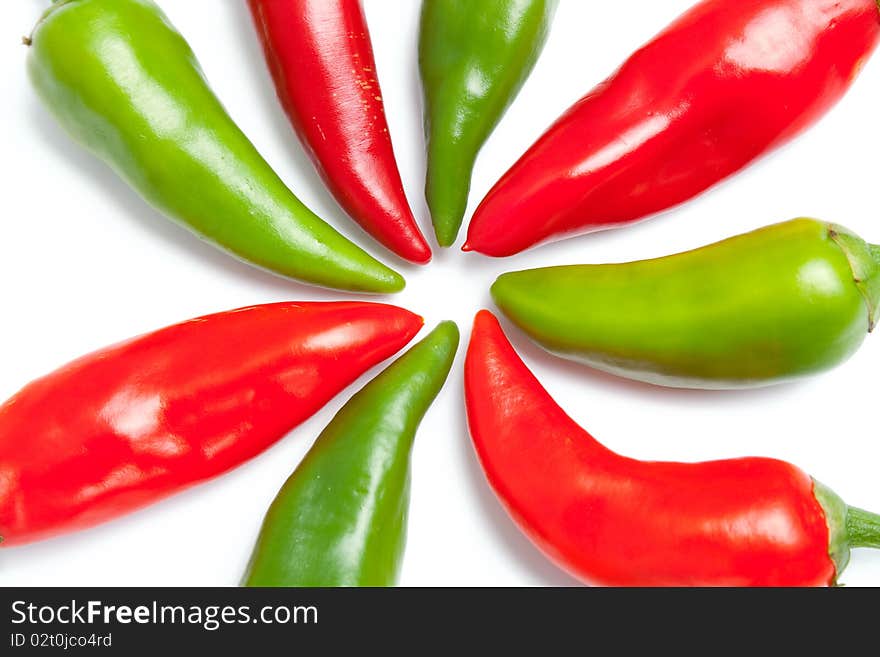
x=862, y=528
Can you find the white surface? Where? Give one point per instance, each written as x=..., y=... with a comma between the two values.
x=84, y=263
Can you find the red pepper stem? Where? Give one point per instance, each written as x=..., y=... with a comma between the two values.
x=862, y=528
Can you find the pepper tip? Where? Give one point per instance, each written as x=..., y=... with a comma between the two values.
x=392, y=283
x=422, y=257
x=484, y=316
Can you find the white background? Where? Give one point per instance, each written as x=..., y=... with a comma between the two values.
x=84, y=263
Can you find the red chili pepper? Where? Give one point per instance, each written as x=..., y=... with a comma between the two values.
x=133, y=423
x=614, y=520
x=321, y=57
x=721, y=86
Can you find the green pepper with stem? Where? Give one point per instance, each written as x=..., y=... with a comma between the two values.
x=125, y=84
x=474, y=56
x=775, y=304
x=340, y=519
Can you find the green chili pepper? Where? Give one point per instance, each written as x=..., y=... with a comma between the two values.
x=340, y=519
x=124, y=83
x=474, y=57
x=771, y=305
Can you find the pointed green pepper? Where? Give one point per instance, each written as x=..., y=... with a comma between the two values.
x=125, y=84
x=474, y=56
x=772, y=305
x=340, y=519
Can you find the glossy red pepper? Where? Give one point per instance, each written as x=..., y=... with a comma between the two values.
x=321, y=57
x=721, y=86
x=618, y=521
x=135, y=422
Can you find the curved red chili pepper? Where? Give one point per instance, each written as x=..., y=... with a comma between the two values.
x=321, y=57
x=724, y=84
x=136, y=422
x=614, y=520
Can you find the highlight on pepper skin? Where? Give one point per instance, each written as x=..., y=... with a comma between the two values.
x=612, y=520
